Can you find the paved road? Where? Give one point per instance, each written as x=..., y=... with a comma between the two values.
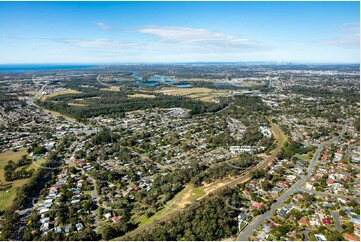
x=93, y=193
x=248, y=231
x=305, y=233
x=36, y=95
x=347, y=152
x=336, y=217
x=103, y=83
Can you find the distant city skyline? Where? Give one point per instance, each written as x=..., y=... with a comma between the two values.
x=165, y=32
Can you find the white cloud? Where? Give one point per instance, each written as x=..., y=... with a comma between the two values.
x=351, y=28
x=199, y=37
x=168, y=43
x=95, y=44
x=347, y=41
x=349, y=24
x=103, y=26
x=351, y=39
x=115, y=46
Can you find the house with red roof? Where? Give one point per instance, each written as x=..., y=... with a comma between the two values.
x=272, y=223
x=324, y=157
x=326, y=221
x=56, y=186
x=282, y=183
x=350, y=237
x=303, y=222
x=257, y=205
x=116, y=218
x=245, y=192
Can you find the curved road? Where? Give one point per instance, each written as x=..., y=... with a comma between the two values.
x=103, y=83
x=266, y=162
x=248, y=231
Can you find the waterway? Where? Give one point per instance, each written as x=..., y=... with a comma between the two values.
x=157, y=81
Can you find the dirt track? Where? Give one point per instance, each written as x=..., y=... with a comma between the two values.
x=277, y=132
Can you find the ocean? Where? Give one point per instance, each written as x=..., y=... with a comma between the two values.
x=41, y=67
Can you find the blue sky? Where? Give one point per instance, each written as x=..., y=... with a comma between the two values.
x=122, y=32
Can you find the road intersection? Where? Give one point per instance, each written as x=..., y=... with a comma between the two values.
x=248, y=231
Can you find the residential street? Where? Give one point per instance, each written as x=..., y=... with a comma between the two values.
x=248, y=231
x=336, y=217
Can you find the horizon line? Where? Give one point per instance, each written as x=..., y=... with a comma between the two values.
x=182, y=62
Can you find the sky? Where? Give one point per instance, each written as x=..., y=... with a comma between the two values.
x=142, y=32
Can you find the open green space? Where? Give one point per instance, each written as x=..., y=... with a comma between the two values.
x=8, y=189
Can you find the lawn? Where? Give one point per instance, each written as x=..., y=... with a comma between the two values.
x=14, y=156
x=7, y=197
x=242, y=226
x=9, y=192
x=303, y=157
x=36, y=164
x=196, y=193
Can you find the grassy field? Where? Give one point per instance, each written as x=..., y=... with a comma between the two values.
x=56, y=114
x=36, y=164
x=184, y=91
x=14, y=156
x=9, y=193
x=77, y=104
x=283, y=137
x=111, y=88
x=196, y=194
x=199, y=93
x=44, y=97
x=141, y=95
